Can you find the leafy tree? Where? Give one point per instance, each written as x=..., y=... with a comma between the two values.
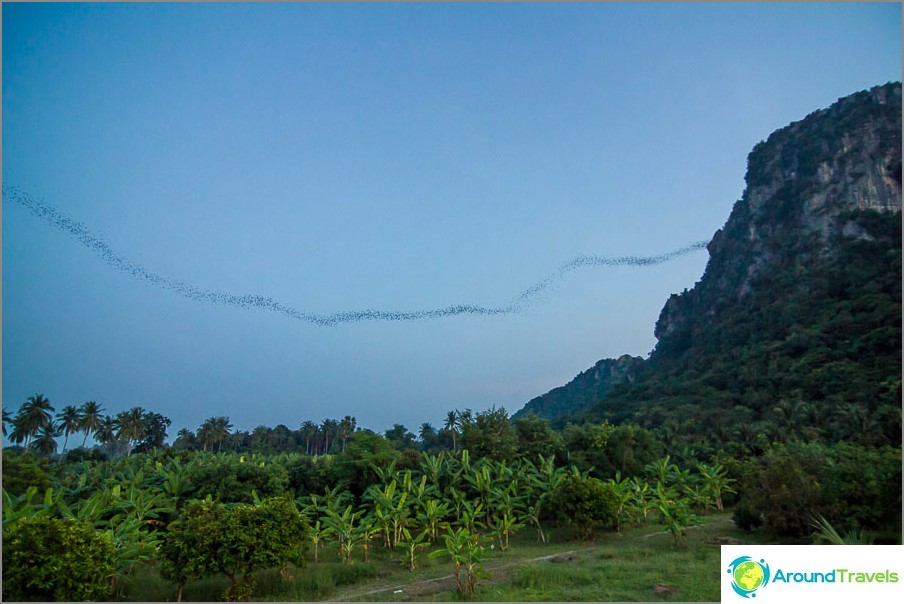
x=153, y=428
x=583, y=503
x=48, y=559
x=490, y=435
x=400, y=437
x=366, y=452
x=535, y=437
x=210, y=538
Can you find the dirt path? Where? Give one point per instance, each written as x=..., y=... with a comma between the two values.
x=417, y=589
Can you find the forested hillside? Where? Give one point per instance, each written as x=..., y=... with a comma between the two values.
x=795, y=326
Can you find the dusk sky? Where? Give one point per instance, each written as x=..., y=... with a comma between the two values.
x=378, y=157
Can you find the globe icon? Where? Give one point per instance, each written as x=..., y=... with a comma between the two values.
x=748, y=575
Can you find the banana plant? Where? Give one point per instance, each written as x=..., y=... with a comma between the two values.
x=412, y=544
x=432, y=514
x=503, y=527
x=641, y=502
x=621, y=488
x=716, y=481
x=319, y=535
x=433, y=466
x=466, y=549
x=345, y=527
x=677, y=516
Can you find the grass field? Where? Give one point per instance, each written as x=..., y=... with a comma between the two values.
x=638, y=564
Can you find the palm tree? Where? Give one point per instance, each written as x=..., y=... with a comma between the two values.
x=309, y=431
x=91, y=417
x=34, y=414
x=106, y=431
x=7, y=418
x=451, y=424
x=68, y=421
x=131, y=429
x=346, y=428
x=185, y=439
x=221, y=427
x=17, y=435
x=214, y=431
x=329, y=428
x=45, y=443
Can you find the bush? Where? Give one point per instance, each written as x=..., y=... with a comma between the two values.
x=23, y=471
x=230, y=479
x=583, y=503
x=853, y=486
x=47, y=559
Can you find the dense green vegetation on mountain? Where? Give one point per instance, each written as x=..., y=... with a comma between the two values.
x=794, y=330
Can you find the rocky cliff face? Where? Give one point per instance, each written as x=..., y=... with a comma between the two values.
x=800, y=299
x=803, y=183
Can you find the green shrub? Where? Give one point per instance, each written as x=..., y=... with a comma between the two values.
x=21, y=471
x=584, y=503
x=48, y=559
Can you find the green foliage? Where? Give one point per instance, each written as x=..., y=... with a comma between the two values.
x=364, y=452
x=490, y=435
x=232, y=478
x=536, y=438
x=210, y=538
x=826, y=533
x=47, y=559
x=609, y=449
x=466, y=549
x=21, y=471
x=852, y=486
x=584, y=503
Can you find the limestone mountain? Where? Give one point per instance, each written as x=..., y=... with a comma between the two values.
x=797, y=317
x=583, y=391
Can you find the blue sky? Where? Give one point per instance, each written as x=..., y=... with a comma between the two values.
x=380, y=156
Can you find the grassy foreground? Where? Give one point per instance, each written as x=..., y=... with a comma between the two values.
x=639, y=564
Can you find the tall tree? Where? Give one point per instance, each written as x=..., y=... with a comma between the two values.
x=7, y=419
x=34, y=414
x=106, y=431
x=309, y=432
x=131, y=426
x=329, y=427
x=185, y=440
x=45, y=442
x=68, y=421
x=214, y=431
x=346, y=429
x=153, y=427
x=451, y=425
x=92, y=414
